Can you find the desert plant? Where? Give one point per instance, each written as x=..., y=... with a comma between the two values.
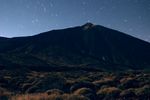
x=104, y=82
x=74, y=97
x=128, y=94
x=49, y=82
x=127, y=83
x=79, y=85
x=44, y=96
x=26, y=86
x=87, y=92
x=143, y=92
x=54, y=91
x=32, y=89
x=108, y=93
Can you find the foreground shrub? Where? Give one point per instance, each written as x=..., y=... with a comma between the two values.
x=79, y=85
x=143, y=93
x=44, y=84
x=54, y=91
x=127, y=94
x=44, y=96
x=127, y=83
x=87, y=92
x=74, y=97
x=108, y=93
x=105, y=82
x=26, y=86
x=33, y=89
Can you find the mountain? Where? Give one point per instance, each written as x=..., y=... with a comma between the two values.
x=87, y=47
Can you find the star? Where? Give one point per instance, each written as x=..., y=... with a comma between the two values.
x=27, y=6
x=130, y=29
x=109, y=25
x=125, y=20
x=83, y=3
x=51, y=14
x=56, y=15
x=45, y=9
x=88, y=21
x=51, y=4
x=139, y=17
x=84, y=13
x=35, y=21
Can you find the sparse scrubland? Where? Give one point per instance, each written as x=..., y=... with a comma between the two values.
x=74, y=85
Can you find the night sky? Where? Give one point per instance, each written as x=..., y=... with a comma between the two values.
x=29, y=17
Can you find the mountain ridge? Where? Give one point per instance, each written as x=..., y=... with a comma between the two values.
x=86, y=46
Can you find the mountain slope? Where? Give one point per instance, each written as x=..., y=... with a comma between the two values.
x=87, y=46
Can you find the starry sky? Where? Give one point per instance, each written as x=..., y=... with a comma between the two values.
x=29, y=17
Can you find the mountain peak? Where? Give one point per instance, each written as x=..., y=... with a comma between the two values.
x=88, y=26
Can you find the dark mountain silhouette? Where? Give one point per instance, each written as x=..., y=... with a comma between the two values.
x=86, y=47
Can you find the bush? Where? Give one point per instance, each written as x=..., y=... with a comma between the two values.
x=67, y=85
x=108, y=93
x=127, y=94
x=74, y=97
x=79, y=85
x=143, y=92
x=105, y=82
x=127, y=83
x=48, y=97
x=54, y=91
x=32, y=89
x=26, y=86
x=44, y=84
x=87, y=92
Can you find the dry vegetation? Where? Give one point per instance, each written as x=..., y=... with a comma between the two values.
x=44, y=96
x=81, y=85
